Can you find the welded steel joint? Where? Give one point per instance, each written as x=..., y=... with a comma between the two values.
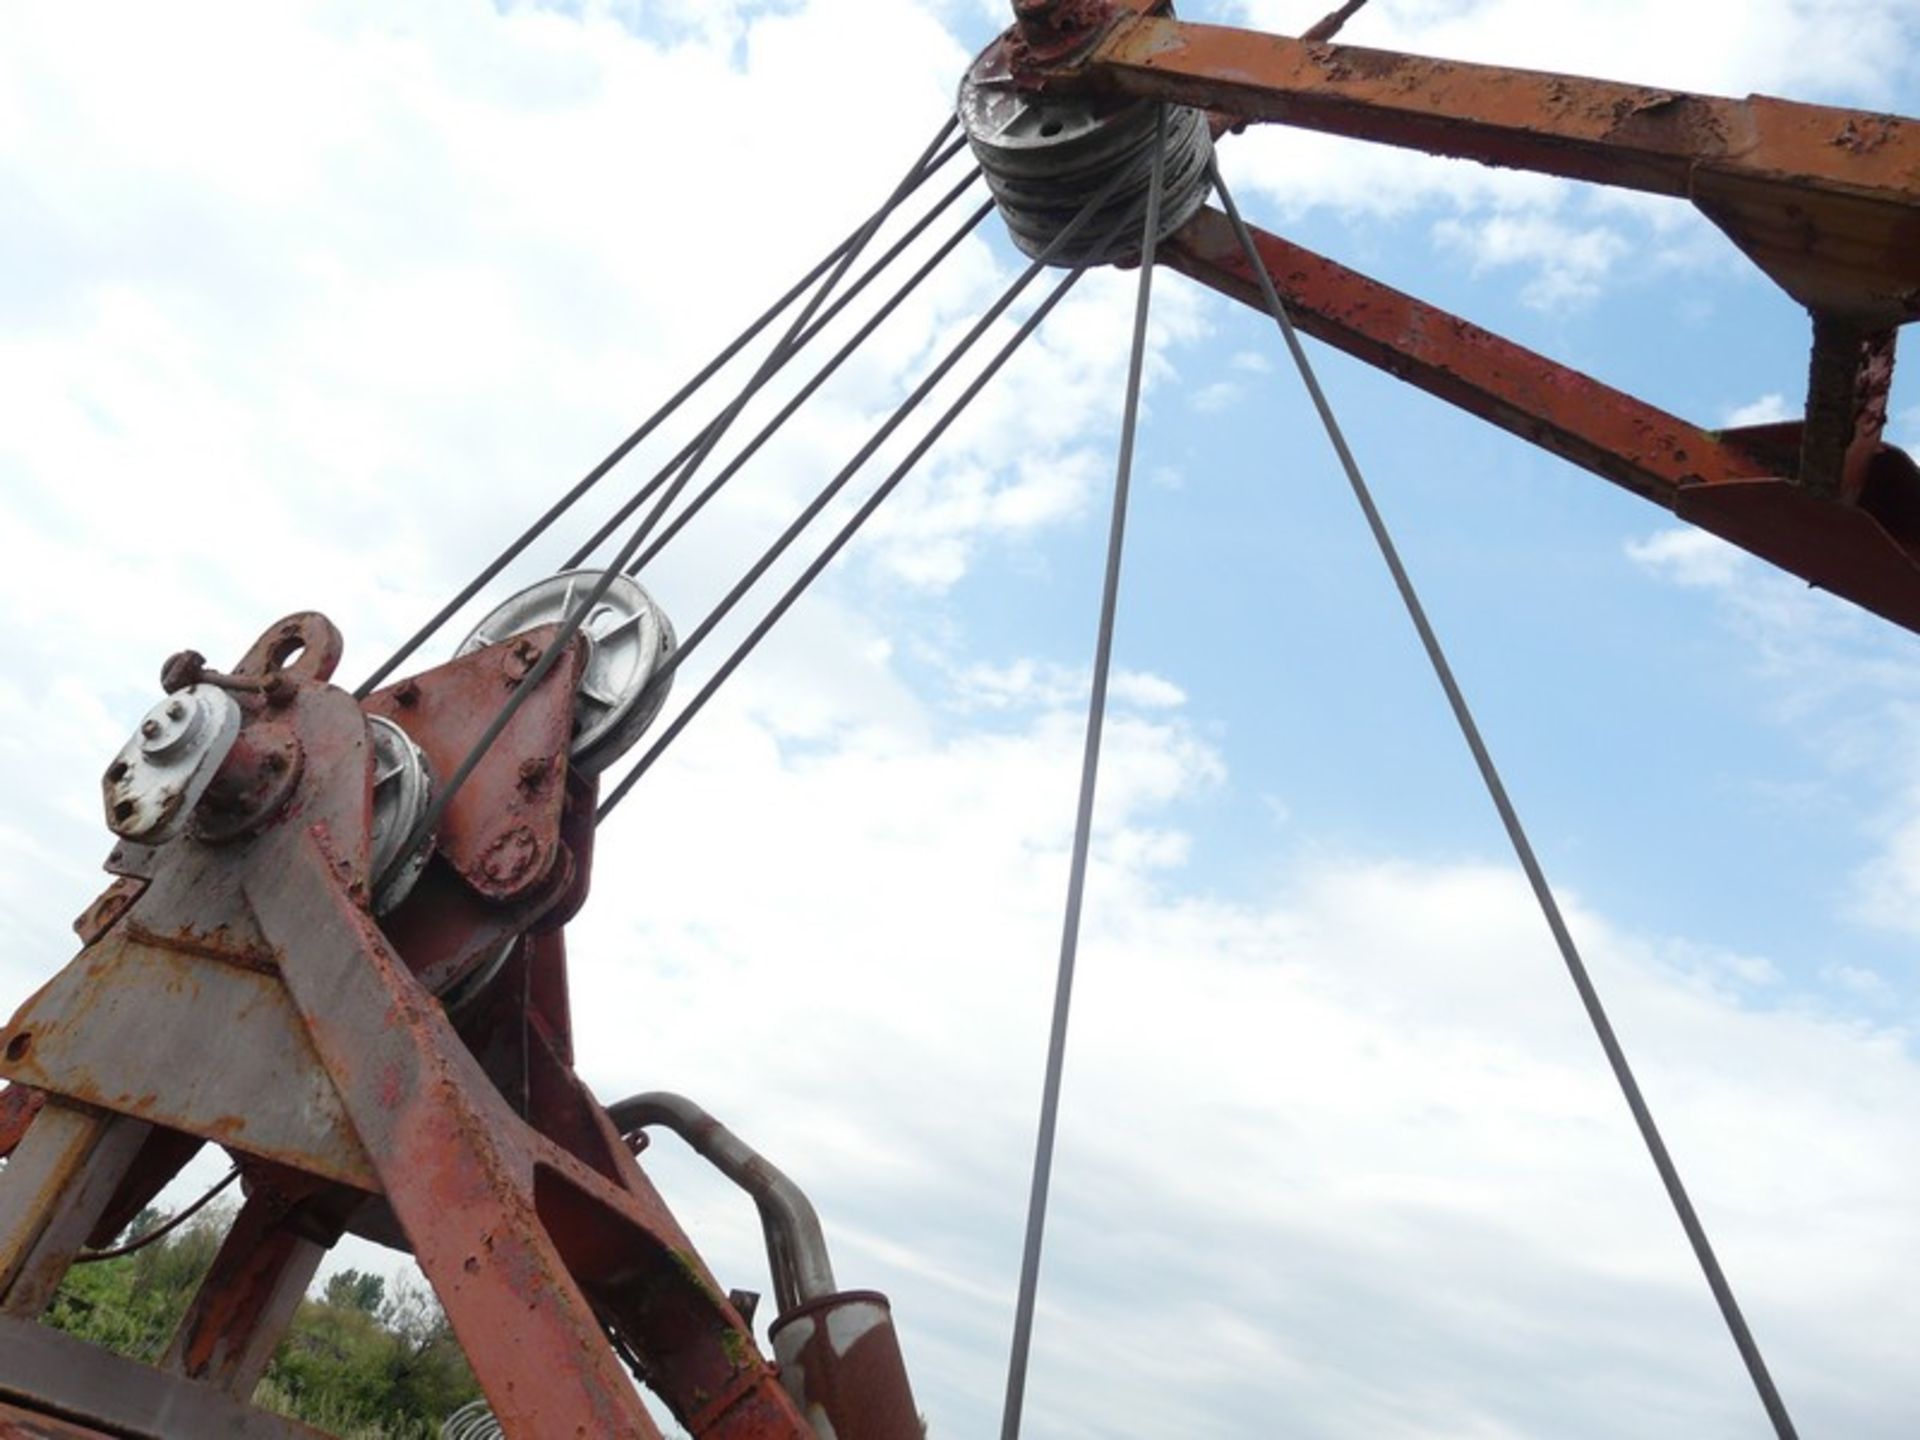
x=1058, y=32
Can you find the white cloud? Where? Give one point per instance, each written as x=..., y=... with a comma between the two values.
x=1217, y=397
x=1766, y=410
x=1351, y=1143
x=1569, y=263
x=1027, y=684
x=1689, y=557
x=1887, y=893
x=1841, y=680
x=324, y=327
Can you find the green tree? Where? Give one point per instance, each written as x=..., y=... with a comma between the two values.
x=354, y=1290
x=358, y=1361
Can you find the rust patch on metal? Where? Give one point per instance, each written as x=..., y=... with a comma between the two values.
x=105, y=912
x=501, y=831
x=19, y=1104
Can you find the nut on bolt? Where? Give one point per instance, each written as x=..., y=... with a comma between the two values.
x=519, y=661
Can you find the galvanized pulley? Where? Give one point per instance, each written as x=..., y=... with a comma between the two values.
x=628, y=638
x=402, y=791
x=160, y=775
x=1046, y=155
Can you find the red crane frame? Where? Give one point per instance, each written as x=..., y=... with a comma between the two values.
x=1825, y=201
x=307, y=1038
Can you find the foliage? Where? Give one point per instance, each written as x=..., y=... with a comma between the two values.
x=359, y=1361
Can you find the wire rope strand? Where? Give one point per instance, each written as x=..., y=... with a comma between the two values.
x=165, y=1228
x=1042, y=1179
x=1522, y=846
x=712, y=487
x=806, y=392
x=593, y=477
x=846, y=533
x=712, y=435
x=692, y=641
x=874, y=501
x=834, y=311
x=429, y=820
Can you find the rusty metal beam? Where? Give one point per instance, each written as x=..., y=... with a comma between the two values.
x=246, y=1302
x=43, y=1370
x=1850, y=380
x=1826, y=200
x=1740, y=485
x=1633, y=444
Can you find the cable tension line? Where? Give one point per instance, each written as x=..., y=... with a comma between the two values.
x=873, y=502
x=1590, y=1001
x=807, y=391
x=429, y=820
x=593, y=477
x=1042, y=1182
x=712, y=435
x=833, y=312
x=670, y=664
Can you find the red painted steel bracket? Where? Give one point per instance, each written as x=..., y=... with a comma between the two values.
x=1825, y=201
x=235, y=989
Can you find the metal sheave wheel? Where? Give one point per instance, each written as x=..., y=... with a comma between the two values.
x=628, y=637
x=1045, y=156
x=402, y=790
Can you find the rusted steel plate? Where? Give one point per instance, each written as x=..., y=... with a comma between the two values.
x=1840, y=548
x=17, y=1424
x=487, y=1223
x=501, y=831
x=1849, y=387
x=243, y=1307
x=46, y=1369
x=52, y=1195
x=106, y=910
x=18, y=1105
x=1826, y=200
x=206, y=1046
x=1866, y=554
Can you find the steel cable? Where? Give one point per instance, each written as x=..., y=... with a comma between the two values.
x=1522, y=846
x=807, y=391
x=1042, y=1181
x=429, y=820
x=873, y=502
x=713, y=486
x=834, y=311
x=711, y=437
x=834, y=546
x=165, y=1227
x=671, y=664
x=593, y=477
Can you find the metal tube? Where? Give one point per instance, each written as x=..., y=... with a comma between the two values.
x=796, y=1246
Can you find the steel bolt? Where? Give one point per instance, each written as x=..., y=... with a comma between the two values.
x=176, y=711
x=150, y=729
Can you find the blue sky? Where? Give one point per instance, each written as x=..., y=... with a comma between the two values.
x=361, y=286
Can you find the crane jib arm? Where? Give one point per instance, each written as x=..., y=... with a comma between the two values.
x=1825, y=201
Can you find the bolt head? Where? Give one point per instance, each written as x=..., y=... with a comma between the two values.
x=176, y=712
x=150, y=729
